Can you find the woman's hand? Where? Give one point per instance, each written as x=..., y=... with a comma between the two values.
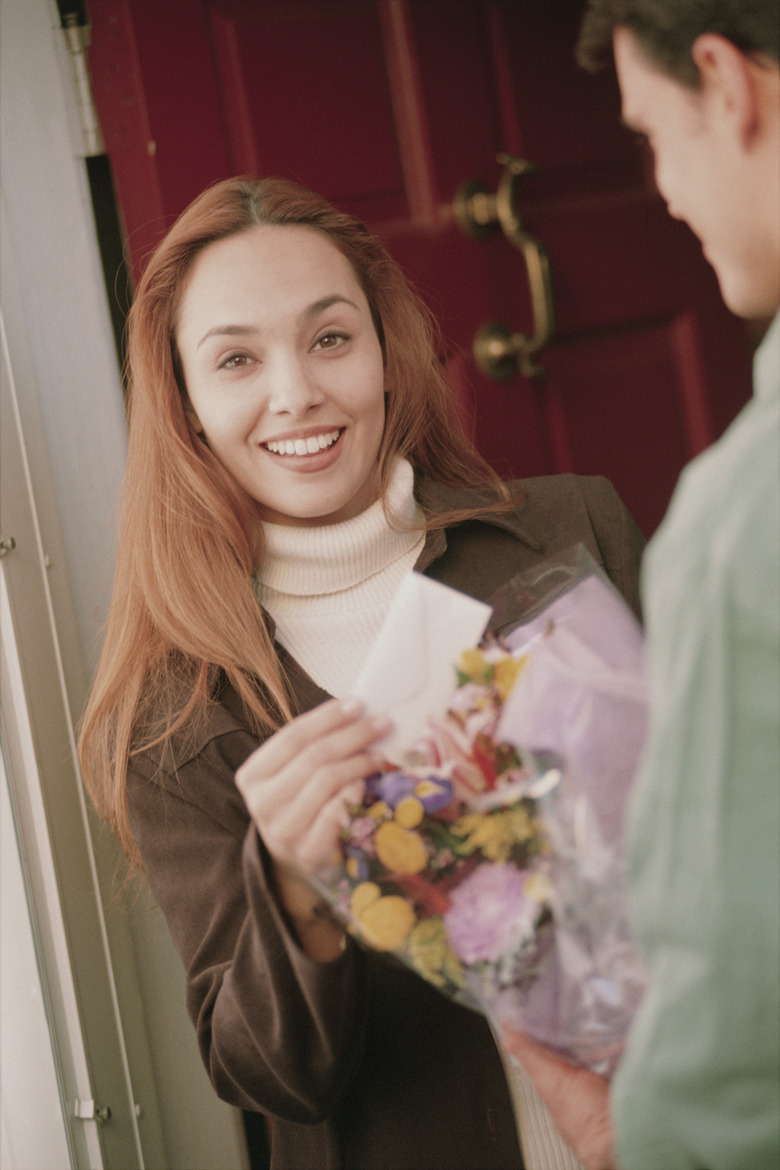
x=577, y=1099
x=295, y=786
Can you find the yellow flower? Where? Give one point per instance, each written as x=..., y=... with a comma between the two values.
x=474, y=665
x=538, y=887
x=400, y=850
x=495, y=834
x=362, y=896
x=379, y=811
x=409, y=812
x=508, y=671
x=431, y=956
x=428, y=787
x=386, y=922
x=352, y=867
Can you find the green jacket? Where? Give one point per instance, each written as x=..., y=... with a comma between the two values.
x=700, y=1081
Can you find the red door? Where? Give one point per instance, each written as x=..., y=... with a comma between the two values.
x=387, y=107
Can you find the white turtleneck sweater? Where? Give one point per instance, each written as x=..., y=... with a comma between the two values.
x=329, y=587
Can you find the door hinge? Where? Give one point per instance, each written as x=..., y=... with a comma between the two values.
x=77, y=39
x=91, y=1111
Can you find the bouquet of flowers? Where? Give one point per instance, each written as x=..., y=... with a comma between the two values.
x=486, y=853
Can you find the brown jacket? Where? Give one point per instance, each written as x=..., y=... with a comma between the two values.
x=361, y=1064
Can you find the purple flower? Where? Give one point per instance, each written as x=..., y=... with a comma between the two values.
x=392, y=787
x=489, y=914
x=357, y=865
x=373, y=783
x=433, y=793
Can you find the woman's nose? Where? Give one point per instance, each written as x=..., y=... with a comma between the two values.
x=292, y=386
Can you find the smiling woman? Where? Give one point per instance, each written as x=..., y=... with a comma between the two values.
x=294, y=454
x=295, y=411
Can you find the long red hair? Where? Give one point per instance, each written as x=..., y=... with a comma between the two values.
x=183, y=608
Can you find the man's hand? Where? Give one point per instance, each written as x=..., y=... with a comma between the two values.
x=577, y=1099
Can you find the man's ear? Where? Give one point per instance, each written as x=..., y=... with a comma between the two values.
x=729, y=81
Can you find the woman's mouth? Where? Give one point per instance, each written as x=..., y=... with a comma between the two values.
x=311, y=445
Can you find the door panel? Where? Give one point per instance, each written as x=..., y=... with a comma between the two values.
x=387, y=107
x=269, y=60
x=602, y=379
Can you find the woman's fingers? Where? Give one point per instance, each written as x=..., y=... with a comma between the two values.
x=287, y=812
x=296, y=736
x=295, y=784
x=318, y=848
x=329, y=733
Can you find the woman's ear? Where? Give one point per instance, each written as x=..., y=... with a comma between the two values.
x=193, y=420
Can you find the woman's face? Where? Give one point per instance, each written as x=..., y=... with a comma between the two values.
x=284, y=372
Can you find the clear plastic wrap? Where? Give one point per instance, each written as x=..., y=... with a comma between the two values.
x=487, y=855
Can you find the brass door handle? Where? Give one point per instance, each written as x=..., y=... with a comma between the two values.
x=497, y=350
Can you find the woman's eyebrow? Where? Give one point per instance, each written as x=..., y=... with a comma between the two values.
x=227, y=331
x=311, y=311
x=325, y=303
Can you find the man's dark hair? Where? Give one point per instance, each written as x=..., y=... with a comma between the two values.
x=667, y=29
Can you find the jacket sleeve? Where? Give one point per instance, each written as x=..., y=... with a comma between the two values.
x=277, y=1031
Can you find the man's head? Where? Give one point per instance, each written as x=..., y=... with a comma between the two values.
x=668, y=29
x=700, y=80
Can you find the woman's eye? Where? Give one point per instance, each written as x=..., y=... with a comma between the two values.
x=234, y=361
x=331, y=340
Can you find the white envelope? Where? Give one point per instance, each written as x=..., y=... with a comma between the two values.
x=410, y=671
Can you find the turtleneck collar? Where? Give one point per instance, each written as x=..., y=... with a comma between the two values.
x=329, y=558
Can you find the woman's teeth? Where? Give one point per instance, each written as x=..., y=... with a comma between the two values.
x=308, y=446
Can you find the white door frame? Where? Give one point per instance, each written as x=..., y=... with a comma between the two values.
x=113, y=986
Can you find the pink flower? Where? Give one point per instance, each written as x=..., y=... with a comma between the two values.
x=361, y=834
x=447, y=748
x=474, y=708
x=490, y=915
